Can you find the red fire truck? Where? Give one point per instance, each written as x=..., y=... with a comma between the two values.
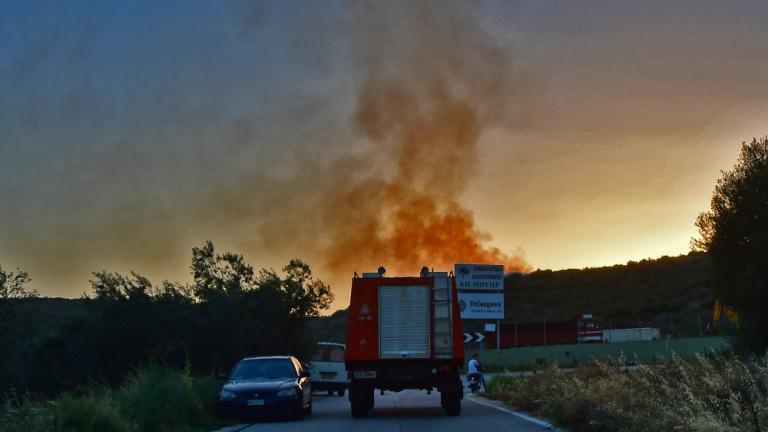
x=404, y=333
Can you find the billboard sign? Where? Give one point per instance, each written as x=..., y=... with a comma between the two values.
x=481, y=305
x=484, y=277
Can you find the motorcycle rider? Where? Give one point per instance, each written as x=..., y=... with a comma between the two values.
x=475, y=369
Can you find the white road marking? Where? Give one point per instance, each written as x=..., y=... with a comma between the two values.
x=519, y=415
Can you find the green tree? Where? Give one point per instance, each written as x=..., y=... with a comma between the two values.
x=735, y=233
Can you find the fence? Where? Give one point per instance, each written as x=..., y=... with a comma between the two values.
x=659, y=326
x=569, y=355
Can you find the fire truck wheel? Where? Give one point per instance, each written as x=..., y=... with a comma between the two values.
x=359, y=407
x=451, y=402
x=361, y=399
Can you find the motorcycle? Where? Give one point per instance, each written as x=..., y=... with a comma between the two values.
x=474, y=382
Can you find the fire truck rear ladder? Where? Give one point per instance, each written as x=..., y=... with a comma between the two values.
x=442, y=316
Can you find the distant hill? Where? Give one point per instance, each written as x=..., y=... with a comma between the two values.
x=671, y=293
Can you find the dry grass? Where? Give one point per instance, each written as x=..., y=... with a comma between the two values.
x=706, y=394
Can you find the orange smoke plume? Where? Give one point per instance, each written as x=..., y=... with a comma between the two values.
x=430, y=82
x=430, y=87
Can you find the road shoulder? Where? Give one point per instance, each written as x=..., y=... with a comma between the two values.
x=500, y=406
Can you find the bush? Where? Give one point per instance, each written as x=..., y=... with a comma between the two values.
x=207, y=389
x=708, y=394
x=95, y=412
x=162, y=399
x=22, y=415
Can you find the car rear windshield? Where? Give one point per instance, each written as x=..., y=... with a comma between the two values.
x=328, y=353
x=264, y=368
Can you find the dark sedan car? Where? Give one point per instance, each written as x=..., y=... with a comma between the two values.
x=268, y=386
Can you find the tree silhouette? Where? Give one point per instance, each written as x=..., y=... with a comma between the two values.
x=735, y=233
x=14, y=327
x=226, y=313
x=12, y=284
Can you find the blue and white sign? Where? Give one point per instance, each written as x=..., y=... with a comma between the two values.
x=485, y=277
x=481, y=305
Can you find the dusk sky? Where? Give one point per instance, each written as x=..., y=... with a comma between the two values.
x=575, y=133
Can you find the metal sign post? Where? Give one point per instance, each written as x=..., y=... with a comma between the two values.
x=498, y=335
x=494, y=328
x=482, y=352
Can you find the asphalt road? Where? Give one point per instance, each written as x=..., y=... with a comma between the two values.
x=409, y=410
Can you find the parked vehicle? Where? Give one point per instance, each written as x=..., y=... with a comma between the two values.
x=631, y=334
x=272, y=386
x=404, y=333
x=328, y=370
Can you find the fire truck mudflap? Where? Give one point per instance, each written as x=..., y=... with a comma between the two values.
x=404, y=333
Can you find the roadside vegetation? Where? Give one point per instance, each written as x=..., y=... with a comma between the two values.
x=151, y=399
x=710, y=393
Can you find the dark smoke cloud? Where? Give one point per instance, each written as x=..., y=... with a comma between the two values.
x=429, y=81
